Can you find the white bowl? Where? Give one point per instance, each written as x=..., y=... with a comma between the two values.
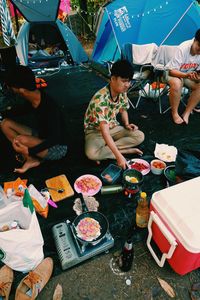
x=157, y=166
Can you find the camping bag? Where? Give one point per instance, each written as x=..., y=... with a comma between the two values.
x=188, y=163
x=21, y=249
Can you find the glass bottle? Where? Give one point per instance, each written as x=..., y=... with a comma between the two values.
x=142, y=211
x=126, y=258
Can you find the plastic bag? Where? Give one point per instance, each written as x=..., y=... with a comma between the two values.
x=21, y=249
x=188, y=163
x=39, y=202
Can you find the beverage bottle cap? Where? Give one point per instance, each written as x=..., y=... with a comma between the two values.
x=143, y=195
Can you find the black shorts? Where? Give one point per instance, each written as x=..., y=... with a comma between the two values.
x=56, y=152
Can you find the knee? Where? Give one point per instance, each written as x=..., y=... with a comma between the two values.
x=92, y=154
x=5, y=123
x=176, y=86
x=22, y=139
x=141, y=136
x=196, y=87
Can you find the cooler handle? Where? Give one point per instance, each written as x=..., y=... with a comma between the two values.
x=154, y=218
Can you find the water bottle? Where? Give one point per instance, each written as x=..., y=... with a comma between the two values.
x=3, y=198
x=111, y=189
x=126, y=258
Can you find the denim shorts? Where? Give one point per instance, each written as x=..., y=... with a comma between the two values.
x=56, y=152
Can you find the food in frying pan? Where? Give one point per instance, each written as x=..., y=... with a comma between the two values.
x=88, y=229
x=131, y=179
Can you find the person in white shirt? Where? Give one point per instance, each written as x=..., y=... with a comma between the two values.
x=184, y=69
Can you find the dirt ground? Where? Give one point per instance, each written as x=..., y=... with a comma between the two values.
x=100, y=279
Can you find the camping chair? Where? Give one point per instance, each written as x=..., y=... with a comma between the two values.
x=161, y=88
x=141, y=57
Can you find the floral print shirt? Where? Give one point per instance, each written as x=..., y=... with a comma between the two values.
x=103, y=108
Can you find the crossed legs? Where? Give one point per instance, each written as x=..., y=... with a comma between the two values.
x=126, y=140
x=21, y=139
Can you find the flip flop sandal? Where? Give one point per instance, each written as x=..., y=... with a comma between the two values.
x=197, y=110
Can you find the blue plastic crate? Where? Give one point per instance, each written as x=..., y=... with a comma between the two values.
x=111, y=174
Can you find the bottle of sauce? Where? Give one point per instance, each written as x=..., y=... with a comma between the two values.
x=142, y=211
x=126, y=257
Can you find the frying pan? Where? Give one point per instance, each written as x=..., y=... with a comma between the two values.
x=97, y=216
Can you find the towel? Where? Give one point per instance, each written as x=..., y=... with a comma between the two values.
x=144, y=54
x=163, y=56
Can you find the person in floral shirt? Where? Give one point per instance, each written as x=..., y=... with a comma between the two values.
x=105, y=138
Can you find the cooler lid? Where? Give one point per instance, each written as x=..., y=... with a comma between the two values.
x=179, y=207
x=38, y=10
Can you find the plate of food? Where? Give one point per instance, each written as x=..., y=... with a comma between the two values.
x=88, y=185
x=140, y=165
x=165, y=152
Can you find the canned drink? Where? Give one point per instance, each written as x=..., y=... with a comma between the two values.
x=111, y=189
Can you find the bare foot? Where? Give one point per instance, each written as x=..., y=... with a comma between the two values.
x=30, y=163
x=186, y=118
x=177, y=119
x=134, y=151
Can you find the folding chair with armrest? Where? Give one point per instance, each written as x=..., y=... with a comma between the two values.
x=163, y=56
x=141, y=57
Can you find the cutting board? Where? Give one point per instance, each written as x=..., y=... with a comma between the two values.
x=59, y=182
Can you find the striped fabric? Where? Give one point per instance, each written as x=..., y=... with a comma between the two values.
x=6, y=24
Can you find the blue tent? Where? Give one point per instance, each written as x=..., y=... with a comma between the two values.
x=42, y=24
x=168, y=22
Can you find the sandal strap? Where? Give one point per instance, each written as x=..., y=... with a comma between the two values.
x=3, y=288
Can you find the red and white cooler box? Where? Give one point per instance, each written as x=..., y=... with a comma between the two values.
x=174, y=225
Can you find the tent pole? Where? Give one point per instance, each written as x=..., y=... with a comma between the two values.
x=113, y=31
x=177, y=22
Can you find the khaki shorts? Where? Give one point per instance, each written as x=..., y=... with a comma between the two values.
x=186, y=82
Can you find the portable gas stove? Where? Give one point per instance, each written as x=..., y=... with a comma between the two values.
x=131, y=192
x=70, y=251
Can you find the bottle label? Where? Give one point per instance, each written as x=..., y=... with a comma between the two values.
x=128, y=246
x=111, y=189
x=142, y=221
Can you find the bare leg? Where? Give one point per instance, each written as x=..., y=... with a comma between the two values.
x=23, y=134
x=192, y=102
x=175, y=97
x=12, y=129
x=29, y=163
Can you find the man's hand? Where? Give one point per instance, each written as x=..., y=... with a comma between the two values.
x=131, y=126
x=19, y=147
x=193, y=76
x=121, y=161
